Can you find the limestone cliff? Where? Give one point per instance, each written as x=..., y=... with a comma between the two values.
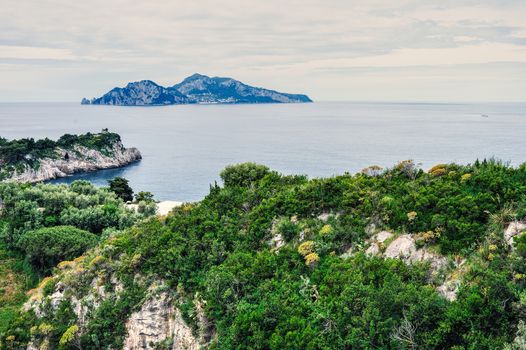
x=61, y=159
x=81, y=160
x=85, y=285
x=159, y=321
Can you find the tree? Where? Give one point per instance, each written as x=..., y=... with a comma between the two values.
x=46, y=247
x=144, y=196
x=244, y=174
x=405, y=333
x=121, y=188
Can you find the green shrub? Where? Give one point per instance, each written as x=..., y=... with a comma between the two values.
x=144, y=196
x=215, y=258
x=288, y=229
x=121, y=188
x=244, y=174
x=46, y=247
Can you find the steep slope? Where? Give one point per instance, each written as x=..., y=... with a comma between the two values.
x=203, y=89
x=283, y=262
x=141, y=93
x=194, y=89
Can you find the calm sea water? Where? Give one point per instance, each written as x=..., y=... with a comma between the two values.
x=185, y=147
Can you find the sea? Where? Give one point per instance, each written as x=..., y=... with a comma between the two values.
x=185, y=147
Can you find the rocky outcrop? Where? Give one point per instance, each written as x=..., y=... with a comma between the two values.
x=449, y=289
x=85, y=284
x=515, y=228
x=378, y=241
x=404, y=247
x=383, y=236
x=277, y=241
x=79, y=159
x=157, y=322
x=197, y=88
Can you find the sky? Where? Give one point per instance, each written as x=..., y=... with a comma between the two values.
x=341, y=50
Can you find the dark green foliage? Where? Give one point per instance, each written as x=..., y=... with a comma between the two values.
x=288, y=229
x=16, y=154
x=257, y=296
x=520, y=245
x=243, y=174
x=120, y=187
x=46, y=247
x=25, y=150
x=143, y=196
x=100, y=141
x=102, y=331
x=29, y=208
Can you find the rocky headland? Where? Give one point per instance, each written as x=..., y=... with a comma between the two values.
x=32, y=161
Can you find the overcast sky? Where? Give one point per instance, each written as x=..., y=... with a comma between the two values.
x=372, y=50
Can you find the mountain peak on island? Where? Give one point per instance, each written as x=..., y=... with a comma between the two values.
x=196, y=76
x=142, y=82
x=197, y=88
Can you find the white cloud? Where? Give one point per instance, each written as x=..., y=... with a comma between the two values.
x=35, y=53
x=464, y=55
x=294, y=45
x=465, y=39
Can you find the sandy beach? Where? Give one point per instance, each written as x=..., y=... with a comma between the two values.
x=163, y=208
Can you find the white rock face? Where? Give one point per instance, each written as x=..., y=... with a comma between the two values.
x=402, y=247
x=277, y=241
x=373, y=249
x=158, y=320
x=82, y=159
x=324, y=217
x=377, y=240
x=383, y=236
x=449, y=290
x=513, y=230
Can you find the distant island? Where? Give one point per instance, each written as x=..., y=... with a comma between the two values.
x=197, y=88
x=27, y=160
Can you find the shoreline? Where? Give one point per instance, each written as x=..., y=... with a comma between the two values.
x=163, y=207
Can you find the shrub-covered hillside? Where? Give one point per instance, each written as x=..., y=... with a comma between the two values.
x=268, y=261
x=43, y=225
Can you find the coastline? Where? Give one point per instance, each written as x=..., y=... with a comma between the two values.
x=81, y=160
x=163, y=207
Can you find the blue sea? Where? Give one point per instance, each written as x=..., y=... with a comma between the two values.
x=185, y=147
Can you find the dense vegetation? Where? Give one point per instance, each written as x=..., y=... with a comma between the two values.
x=42, y=225
x=121, y=188
x=318, y=290
x=47, y=246
x=16, y=154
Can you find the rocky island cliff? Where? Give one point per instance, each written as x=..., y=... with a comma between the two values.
x=27, y=160
x=197, y=88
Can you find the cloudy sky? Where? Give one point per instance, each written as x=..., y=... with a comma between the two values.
x=371, y=50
